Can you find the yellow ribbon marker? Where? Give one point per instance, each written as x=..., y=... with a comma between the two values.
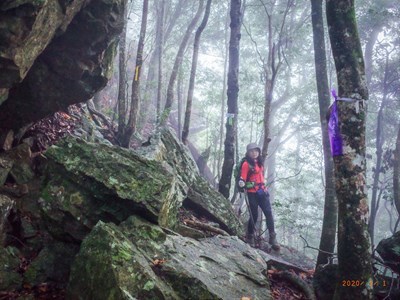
x=137, y=73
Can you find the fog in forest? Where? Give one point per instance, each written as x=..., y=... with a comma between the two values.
x=276, y=40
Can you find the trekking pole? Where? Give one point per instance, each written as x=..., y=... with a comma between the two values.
x=249, y=210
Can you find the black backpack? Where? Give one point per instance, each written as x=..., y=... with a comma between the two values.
x=238, y=171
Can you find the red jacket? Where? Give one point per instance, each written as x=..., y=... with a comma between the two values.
x=253, y=173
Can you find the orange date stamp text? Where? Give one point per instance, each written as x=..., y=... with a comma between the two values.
x=357, y=283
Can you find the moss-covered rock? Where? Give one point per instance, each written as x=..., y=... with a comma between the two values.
x=9, y=264
x=22, y=35
x=146, y=236
x=389, y=250
x=100, y=182
x=5, y=168
x=16, y=163
x=167, y=149
x=87, y=182
x=109, y=266
x=54, y=53
x=140, y=260
x=52, y=264
x=214, y=268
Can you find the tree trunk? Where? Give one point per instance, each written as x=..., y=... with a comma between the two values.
x=132, y=123
x=368, y=52
x=272, y=66
x=186, y=124
x=159, y=59
x=221, y=128
x=268, y=90
x=177, y=64
x=179, y=92
x=268, y=87
x=232, y=93
x=354, y=251
x=149, y=102
x=122, y=110
x=328, y=234
x=380, y=139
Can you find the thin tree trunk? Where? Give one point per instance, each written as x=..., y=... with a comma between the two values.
x=354, y=251
x=237, y=158
x=149, y=104
x=368, y=52
x=379, y=153
x=223, y=93
x=132, y=123
x=268, y=89
x=329, y=224
x=186, y=124
x=177, y=64
x=159, y=59
x=232, y=93
x=271, y=69
x=179, y=92
x=122, y=109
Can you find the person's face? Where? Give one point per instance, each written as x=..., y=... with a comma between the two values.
x=253, y=153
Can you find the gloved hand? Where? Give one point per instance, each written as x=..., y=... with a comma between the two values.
x=241, y=183
x=250, y=184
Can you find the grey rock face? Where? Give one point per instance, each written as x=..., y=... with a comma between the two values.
x=49, y=62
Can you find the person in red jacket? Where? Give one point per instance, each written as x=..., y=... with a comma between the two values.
x=252, y=179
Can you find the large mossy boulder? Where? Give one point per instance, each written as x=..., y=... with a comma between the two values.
x=201, y=197
x=138, y=260
x=86, y=182
x=53, y=54
x=389, y=250
x=109, y=266
x=22, y=33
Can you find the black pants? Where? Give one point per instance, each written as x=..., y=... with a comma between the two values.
x=260, y=200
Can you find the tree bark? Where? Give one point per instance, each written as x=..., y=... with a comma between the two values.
x=132, y=122
x=177, y=64
x=179, y=92
x=232, y=93
x=329, y=224
x=148, y=109
x=122, y=110
x=196, y=46
x=223, y=93
x=354, y=251
x=272, y=67
x=159, y=59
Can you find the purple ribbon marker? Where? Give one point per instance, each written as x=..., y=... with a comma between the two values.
x=335, y=138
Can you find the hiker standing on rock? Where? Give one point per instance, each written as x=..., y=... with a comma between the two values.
x=252, y=180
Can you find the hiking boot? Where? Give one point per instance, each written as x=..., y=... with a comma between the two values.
x=250, y=240
x=273, y=242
